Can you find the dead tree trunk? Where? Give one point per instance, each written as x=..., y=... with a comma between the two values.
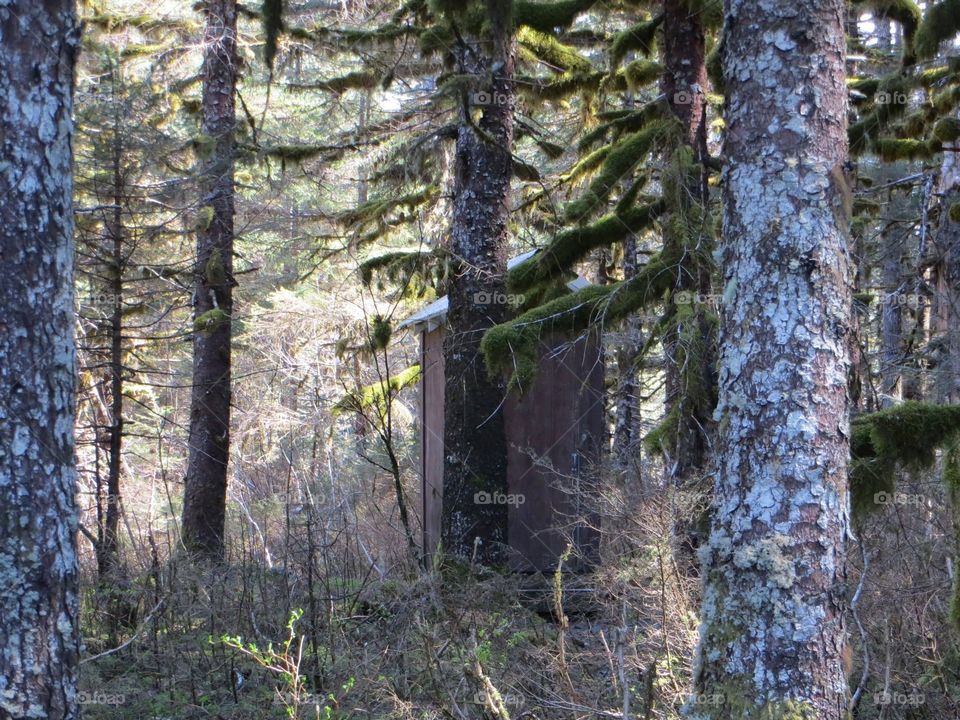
x=205, y=494
x=39, y=640
x=474, y=518
x=772, y=628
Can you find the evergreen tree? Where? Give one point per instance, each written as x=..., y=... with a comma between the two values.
x=772, y=624
x=39, y=603
x=205, y=491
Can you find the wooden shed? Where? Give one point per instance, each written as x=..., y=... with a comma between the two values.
x=555, y=435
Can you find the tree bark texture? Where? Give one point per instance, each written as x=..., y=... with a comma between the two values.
x=474, y=518
x=39, y=640
x=772, y=630
x=205, y=494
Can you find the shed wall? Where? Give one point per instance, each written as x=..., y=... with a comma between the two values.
x=555, y=435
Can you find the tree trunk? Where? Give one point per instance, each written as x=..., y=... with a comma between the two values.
x=108, y=551
x=772, y=632
x=947, y=300
x=626, y=453
x=39, y=641
x=891, y=342
x=690, y=380
x=474, y=518
x=205, y=495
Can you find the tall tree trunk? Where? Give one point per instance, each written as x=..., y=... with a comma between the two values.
x=39, y=641
x=891, y=313
x=690, y=380
x=108, y=551
x=205, y=495
x=474, y=517
x=772, y=630
x=947, y=275
x=626, y=422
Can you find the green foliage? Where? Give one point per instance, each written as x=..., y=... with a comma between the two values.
x=940, y=22
x=514, y=346
x=572, y=245
x=620, y=160
x=947, y=130
x=406, y=266
x=380, y=332
x=639, y=38
x=640, y=73
x=623, y=121
x=377, y=395
x=214, y=271
x=375, y=211
x=906, y=435
x=358, y=80
x=210, y=321
x=661, y=437
x=204, y=218
x=551, y=51
x=893, y=149
x=547, y=17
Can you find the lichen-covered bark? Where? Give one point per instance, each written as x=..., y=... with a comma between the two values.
x=475, y=446
x=205, y=494
x=772, y=631
x=39, y=642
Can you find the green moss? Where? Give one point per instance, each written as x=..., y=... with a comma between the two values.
x=359, y=80
x=563, y=86
x=376, y=395
x=714, y=63
x=866, y=206
x=374, y=210
x=204, y=218
x=620, y=160
x=547, y=17
x=637, y=38
x=513, y=346
x=214, y=271
x=641, y=73
x=932, y=76
x=661, y=437
x=947, y=130
x=210, y=321
x=393, y=264
x=295, y=153
x=893, y=149
x=574, y=244
x=940, y=22
x=906, y=435
x=380, y=333
x=623, y=121
x=945, y=101
x=437, y=38
x=551, y=51
x=954, y=213
x=866, y=85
